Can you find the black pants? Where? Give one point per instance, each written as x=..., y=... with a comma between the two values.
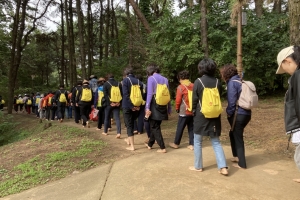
x=237, y=138
x=48, y=110
x=61, y=111
x=100, y=117
x=84, y=112
x=139, y=124
x=129, y=118
x=76, y=114
x=156, y=134
x=182, y=123
x=53, y=112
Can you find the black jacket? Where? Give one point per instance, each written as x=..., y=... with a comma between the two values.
x=107, y=88
x=202, y=125
x=57, y=95
x=292, y=104
x=78, y=96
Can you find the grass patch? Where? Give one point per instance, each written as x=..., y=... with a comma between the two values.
x=66, y=149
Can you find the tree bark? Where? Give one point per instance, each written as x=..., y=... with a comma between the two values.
x=294, y=10
x=140, y=15
x=72, y=44
x=107, y=24
x=277, y=6
x=259, y=7
x=101, y=21
x=204, y=41
x=81, y=37
x=62, y=61
x=90, y=37
x=129, y=26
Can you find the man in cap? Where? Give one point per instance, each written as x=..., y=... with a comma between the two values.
x=61, y=99
x=93, y=82
x=288, y=60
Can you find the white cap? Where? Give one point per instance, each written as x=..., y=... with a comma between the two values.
x=283, y=54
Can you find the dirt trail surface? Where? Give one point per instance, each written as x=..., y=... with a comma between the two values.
x=145, y=174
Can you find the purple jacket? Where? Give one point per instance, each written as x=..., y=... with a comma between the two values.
x=151, y=88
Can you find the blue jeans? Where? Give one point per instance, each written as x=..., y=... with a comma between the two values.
x=219, y=153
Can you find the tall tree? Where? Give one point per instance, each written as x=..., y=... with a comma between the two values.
x=20, y=38
x=62, y=61
x=140, y=15
x=277, y=6
x=294, y=10
x=204, y=41
x=90, y=37
x=259, y=7
x=81, y=37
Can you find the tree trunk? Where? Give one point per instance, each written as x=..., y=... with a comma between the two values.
x=117, y=33
x=140, y=15
x=13, y=70
x=259, y=7
x=90, y=37
x=101, y=35
x=294, y=10
x=129, y=26
x=204, y=41
x=112, y=31
x=72, y=44
x=277, y=6
x=107, y=24
x=81, y=37
x=62, y=61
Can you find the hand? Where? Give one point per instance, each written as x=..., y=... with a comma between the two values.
x=92, y=106
x=148, y=112
x=76, y=104
x=177, y=111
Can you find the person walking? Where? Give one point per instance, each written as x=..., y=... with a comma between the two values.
x=183, y=108
x=156, y=113
x=130, y=111
x=237, y=117
x=37, y=99
x=288, y=60
x=20, y=102
x=99, y=103
x=204, y=126
x=28, y=103
x=48, y=103
x=61, y=99
x=113, y=96
x=73, y=102
x=84, y=100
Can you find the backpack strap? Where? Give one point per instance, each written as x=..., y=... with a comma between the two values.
x=109, y=83
x=183, y=96
x=154, y=79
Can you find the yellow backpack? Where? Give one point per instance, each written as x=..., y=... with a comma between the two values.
x=37, y=101
x=211, y=106
x=100, y=96
x=190, y=98
x=62, y=97
x=115, y=93
x=49, y=100
x=162, y=96
x=19, y=101
x=29, y=102
x=136, y=94
x=2, y=101
x=86, y=94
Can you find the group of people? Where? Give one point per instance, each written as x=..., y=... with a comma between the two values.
x=108, y=96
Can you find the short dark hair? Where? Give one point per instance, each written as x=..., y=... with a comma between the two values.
x=184, y=75
x=128, y=71
x=228, y=71
x=110, y=75
x=207, y=67
x=79, y=83
x=139, y=76
x=151, y=69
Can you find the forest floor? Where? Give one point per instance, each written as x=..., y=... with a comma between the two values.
x=45, y=154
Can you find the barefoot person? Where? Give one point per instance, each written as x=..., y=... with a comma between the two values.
x=183, y=108
x=207, y=125
x=85, y=100
x=234, y=87
x=130, y=111
x=154, y=112
x=288, y=60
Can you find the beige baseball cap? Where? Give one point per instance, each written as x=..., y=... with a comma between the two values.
x=283, y=54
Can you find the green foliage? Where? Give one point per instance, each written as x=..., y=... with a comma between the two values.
x=7, y=132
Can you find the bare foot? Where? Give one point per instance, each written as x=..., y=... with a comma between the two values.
x=191, y=147
x=87, y=124
x=224, y=171
x=109, y=129
x=118, y=136
x=175, y=146
x=194, y=169
x=237, y=166
x=296, y=180
x=135, y=132
x=98, y=129
x=104, y=133
x=148, y=146
x=130, y=148
x=234, y=159
x=127, y=141
x=161, y=151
